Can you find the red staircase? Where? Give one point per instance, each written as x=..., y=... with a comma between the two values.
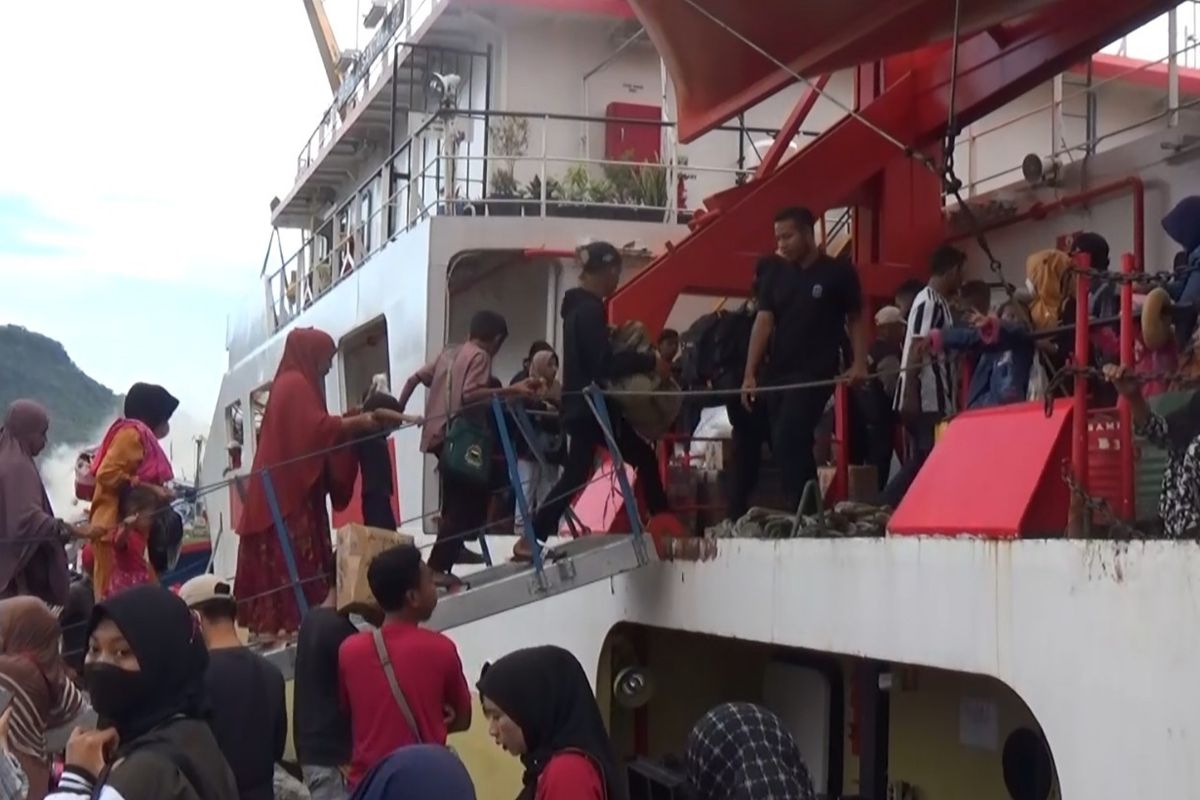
x=897, y=199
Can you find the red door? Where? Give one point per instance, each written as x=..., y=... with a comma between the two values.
x=630, y=141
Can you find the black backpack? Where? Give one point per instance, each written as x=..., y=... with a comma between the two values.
x=713, y=351
x=166, y=540
x=696, y=352
x=731, y=343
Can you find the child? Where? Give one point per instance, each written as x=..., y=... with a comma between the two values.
x=131, y=567
x=1009, y=354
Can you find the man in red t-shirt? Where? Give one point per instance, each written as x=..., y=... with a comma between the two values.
x=425, y=662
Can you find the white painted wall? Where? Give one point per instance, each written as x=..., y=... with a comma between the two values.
x=1098, y=638
x=1167, y=180
x=545, y=60
x=990, y=151
x=393, y=284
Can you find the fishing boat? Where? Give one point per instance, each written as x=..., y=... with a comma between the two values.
x=976, y=650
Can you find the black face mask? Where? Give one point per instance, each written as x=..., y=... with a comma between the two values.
x=116, y=693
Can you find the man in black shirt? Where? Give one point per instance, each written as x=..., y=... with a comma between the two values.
x=320, y=727
x=249, y=710
x=587, y=358
x=804, y=309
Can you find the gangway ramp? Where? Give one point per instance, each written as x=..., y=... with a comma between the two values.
x=573, y=565
x=506, y=586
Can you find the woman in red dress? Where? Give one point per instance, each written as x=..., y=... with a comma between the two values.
x=299, y=447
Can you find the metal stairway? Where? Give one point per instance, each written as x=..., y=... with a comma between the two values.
x=510, y=585
x=505, y=586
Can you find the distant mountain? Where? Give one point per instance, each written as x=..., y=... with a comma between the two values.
x=38, y=367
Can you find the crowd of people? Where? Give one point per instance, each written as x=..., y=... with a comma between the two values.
x=185, y=709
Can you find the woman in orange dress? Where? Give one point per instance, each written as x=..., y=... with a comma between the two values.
x=130, y=455
x=301, y=449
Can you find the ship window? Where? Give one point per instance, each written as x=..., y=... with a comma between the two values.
x=258, y=408
x=364, y=357
x=234, y=435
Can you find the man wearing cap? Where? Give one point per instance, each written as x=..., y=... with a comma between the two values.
x=1103, y=299
x=588, y=358
x=249, y=711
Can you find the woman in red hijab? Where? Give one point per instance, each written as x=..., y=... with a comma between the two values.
x=299, y=446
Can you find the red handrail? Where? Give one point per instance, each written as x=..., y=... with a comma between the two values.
x=1129, y=265
x=1079, y=440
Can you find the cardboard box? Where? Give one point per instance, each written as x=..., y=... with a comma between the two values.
x=357, y=545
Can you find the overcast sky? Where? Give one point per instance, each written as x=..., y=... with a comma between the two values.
x=141, y=143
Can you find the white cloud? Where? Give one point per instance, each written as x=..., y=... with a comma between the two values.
x=158, y=131
x=144, y=141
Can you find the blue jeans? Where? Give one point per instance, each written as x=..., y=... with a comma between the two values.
x=325, y=783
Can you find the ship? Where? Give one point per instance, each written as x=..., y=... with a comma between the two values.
x=982, y=648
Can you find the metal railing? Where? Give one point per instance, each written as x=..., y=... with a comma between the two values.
x=444, y=169
x=401, y=23
x=1054, y=116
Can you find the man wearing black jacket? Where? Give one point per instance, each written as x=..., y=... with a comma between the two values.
x=588, y=358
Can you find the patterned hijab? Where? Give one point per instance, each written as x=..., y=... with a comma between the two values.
x=31, y=667
x=740, y=751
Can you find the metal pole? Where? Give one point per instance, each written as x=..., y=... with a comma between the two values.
x=545, y=135
x=841, y=429
x=1056, y=119
x=392, y=117
x=487, y=106
x=1080, y=515
x=1172, y=69
x=1124, y=410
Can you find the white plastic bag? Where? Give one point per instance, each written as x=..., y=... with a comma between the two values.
x=1039, y=381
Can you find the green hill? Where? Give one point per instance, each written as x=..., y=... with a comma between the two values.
x=38, y=367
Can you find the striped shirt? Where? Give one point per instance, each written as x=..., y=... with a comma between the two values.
x=30, y=721
x=939, y=383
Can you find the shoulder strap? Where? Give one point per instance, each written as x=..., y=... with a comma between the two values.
x=393, y=684
x=168, y=752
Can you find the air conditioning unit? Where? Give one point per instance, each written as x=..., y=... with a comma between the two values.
x=375, y=14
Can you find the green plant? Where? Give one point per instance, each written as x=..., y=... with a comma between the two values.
x=601, y=192
x=650, y=185
x=504, y=185
x=554, y=189
x=623, y=181
x=509, y=139
x=577, y=184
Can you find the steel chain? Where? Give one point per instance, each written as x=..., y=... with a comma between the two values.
x=1098, y=506
x=1177, y=380
x=1138, y=278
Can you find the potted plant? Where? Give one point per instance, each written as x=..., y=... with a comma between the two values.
x=533, y=191
x=509, y=140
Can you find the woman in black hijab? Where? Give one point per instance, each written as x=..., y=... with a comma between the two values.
x=145, y=675
x=540, y=707
x=130, y=453
x=740, y=751
x=152, y=405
